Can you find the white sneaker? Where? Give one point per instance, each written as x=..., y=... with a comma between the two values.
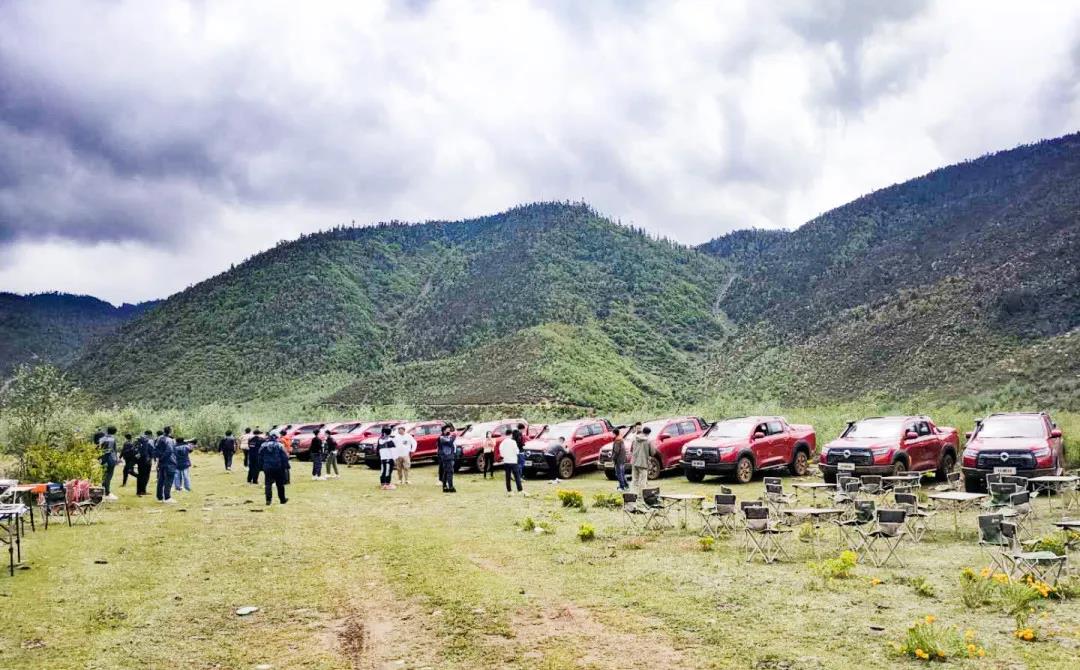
x=111, y=496
x=391, y=487
x=170, y=501
x=524, y=494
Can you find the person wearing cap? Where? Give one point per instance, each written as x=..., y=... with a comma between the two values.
x=316, y=452
x=274, y=461
x=145, y=462
x=387, y=452
x=405, y=446
x=447, y=451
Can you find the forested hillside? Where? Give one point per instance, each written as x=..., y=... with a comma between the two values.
x=359, y=300
x=54, y=327
x=934, y=284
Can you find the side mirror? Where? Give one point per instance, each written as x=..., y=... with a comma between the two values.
x=665, y=437
x=911, y=435
x=758, y=435
x=1055, y=432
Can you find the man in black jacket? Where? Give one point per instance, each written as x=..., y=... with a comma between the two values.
x=227, y=447
x=144, y=452
x=165, y=453
x=447, y=451
x=316, y=452
x=253, y=456
x=108, y=459
x=130, y=457
x=275, y=465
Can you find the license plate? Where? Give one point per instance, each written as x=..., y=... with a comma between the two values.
x=697, y=464
x=1004, y=471
x=845, y=467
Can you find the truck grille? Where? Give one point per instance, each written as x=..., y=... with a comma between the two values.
x=856, y=456
x=1021, y=460
x=706, y=455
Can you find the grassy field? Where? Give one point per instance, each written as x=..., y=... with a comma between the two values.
x=347, y=576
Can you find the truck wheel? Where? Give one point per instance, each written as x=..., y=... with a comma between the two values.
x=948, y=462
x=744, y=470
x=350, y=455
x=566, y=467
x=610, y=474
x=800, y=465
x=654, y=469
x=694, y=476
x=898, y=467
x=481, y=461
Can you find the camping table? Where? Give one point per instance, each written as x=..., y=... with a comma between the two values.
x=906, y=482
x=10, y=527
x=683, y=500
x=816, y=514
x=813, y=488
x=958, y=501
x=26, y=492
x=1061, y=485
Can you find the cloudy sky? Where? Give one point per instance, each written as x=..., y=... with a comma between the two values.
x=145, y=146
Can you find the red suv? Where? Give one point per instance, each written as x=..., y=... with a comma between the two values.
x=737, y=448
x=426, y=434
x=470, y=442
x=887, y=445
x=668, y=436
x=1029, y=442
x=351, y=439
x=562, y=448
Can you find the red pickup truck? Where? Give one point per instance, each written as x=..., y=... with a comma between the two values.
x=470, y=442
x=562, y=448
x=888, y=445
x=351, y=437
x=1029, y=442
x=426, y=434
x=668, y=436
x=300, y=441
x=737, y=448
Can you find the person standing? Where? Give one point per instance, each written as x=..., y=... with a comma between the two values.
x=641, y=451
x=108, y=460
x=489, y=456
x=145, y=462
x=330, y=447
x=316, y=452
x=406, y=446
x=245, y=445
x=127, y=453
x=253, y=456
x=618, y=458
x=165, y=453
x=182, y=478
x=509, y=452
x=227, y=447
x=274, y=461
x=447, y=451
x=387, y=452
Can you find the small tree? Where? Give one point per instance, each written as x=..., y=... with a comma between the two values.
x=31, y=403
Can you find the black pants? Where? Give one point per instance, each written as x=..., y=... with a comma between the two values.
x=489, y=465
x=515, y=470
x=275, y=478
x=106, y=479
x=245, y=458
x=253, y=470
x=386, y=471
x=227, y=455
x=129, y=469
x=446, y=473
x=142, y=477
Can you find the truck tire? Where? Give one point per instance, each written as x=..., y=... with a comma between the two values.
x=744, y=470
x=655, y=469
x=695, y=476
x=948, y=462
x=800, y=464
x=481, y=461
x=350, y=456
x=565, y=467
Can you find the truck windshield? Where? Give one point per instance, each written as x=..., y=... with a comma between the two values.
x=739, y=429
x=480, y=429
x=874, y=428
x=1013, y=427
x=559, y=430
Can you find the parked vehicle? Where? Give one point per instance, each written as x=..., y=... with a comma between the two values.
x=668, y=436
x=426, y=434
x=583, y=439
x=888, y=445
x=301, y=441
x=351, y=442
x=471, y=440
x=737, y=448
x=1030, y=442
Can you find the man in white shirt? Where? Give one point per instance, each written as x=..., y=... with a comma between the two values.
x=404, y=447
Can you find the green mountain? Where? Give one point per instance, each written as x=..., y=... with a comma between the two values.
x=942, y=284
x=55, y=327
x=509, y=297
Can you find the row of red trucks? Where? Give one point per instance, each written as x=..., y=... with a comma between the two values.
x=1030, y=444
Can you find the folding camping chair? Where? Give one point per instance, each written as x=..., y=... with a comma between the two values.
x=719, y=518
x=743, y=504
x=871, y=485
x=848, y=491
x=1045, y=566
x=889, y=531
x=762, y=536
x=633, y=516
x=851, y=526
x=913, y=484
x=918, y=518
x=657, y=510
x=1021, y=483
x=992, y=543
x=1020, y=512
x=999, y=495
x=54, y=501
x=775, y=497
x=953, y=482
x=83, y=500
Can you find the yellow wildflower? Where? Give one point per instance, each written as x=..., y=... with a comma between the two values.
x=930, y=618
x=981, y=652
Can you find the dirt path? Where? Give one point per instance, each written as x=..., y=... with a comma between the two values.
x=378, y=631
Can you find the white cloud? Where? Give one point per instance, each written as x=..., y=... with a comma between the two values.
x=169, y=134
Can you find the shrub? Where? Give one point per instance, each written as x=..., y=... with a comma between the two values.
x=586, y=532
x=926, y=640
x=59, y=463
x=570, y=498
x=922, y=587
x=1054, y=542
x=607, y=500
x=707, y=543
x=546, y=527
x=840, y=567
x=528, y=525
